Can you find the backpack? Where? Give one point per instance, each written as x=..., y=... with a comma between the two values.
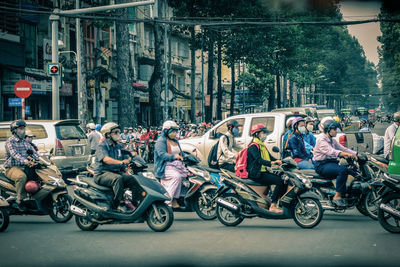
x=241, y=162
x=212, y=157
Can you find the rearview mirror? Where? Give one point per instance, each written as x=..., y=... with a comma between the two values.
x=275, y=149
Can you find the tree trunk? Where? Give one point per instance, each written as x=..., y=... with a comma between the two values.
x=193, y=76
x=219, y=99
x=291, y=97
x=278, y=90
x=232, y=107
x=210, y=77
x=84, y=114
x=298, y=96
x=126, y=111
x=271, y=98
x=97, y=99
x=285, y=98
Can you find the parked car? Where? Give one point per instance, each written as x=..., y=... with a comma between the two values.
x=275, y=123
x=322, y=113
x=309, y=111
x=63, y=140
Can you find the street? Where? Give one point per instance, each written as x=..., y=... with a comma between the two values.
x=340, y=239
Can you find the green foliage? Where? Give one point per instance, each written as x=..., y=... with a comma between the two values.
x=258, y=82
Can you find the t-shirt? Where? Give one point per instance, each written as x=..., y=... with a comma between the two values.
x=107, y=149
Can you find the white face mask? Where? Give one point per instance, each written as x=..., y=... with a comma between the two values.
x=310, y=128
x=302, y=129
x=263, y=136
x=20, y=133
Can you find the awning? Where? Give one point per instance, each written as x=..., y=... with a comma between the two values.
x=139, y=85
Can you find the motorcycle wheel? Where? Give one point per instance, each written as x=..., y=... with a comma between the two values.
x=83, y=223
x=165, y=219
x=60, y=210
x=206, y=211
x=4, y=219
x=370, y=207
x=227, y=217
x=389, y=222
x=307, y=213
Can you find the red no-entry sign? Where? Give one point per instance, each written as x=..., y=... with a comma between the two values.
x=23, y=89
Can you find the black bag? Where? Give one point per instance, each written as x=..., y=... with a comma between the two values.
x=212, y=157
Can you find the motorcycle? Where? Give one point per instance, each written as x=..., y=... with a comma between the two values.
x=151, y=150
x=144, y=202
x=299, y=203
x=357, y=189
x=51, y=198
x=143, y=150
x=197, y=189
x=4, y=217
x=389, y=208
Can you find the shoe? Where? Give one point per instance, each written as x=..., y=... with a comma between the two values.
x=19, y=206
x=122, y=209
x=275, y=210
x=339, y=202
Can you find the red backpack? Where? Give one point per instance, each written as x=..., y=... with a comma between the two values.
x=241, y=162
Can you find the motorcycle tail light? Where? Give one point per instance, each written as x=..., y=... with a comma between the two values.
x=59, y=148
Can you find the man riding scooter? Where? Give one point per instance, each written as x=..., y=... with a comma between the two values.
x=17, y=158
x=111, y=164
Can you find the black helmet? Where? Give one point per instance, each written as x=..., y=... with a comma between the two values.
x=233, y=123
x=330, y=126
x=14, y=125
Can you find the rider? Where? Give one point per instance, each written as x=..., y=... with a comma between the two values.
x=286, y=136
x=390, y=133
x=326, y=153
x=309, y=137
x=93, y=137
x=298, y=145
x=125, y=135
x=227, y=148
x=258, y=159
x=17, y=158
x=363, y=126
x=29, y=137
x=111, y=164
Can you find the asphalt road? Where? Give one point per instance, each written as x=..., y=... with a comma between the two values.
x=340, y=239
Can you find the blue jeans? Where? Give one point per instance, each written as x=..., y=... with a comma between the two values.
x=332, y=170
x=305, y=164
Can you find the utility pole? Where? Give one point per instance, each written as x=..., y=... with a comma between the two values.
x=202, y=76
x=79, y=81
x=166, y=80
x=55, y=99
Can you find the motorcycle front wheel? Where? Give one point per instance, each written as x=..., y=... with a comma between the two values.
x=307, y=213
x=60, y=210
x=205, y=209
x=227, y=217
x=388, y=221
x=4, y=219
x=160, y=217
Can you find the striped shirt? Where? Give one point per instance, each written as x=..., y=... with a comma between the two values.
x=16, y=152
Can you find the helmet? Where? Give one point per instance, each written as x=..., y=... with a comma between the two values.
x=331, y=125
x=14, y=125
x=98, y=127
x=108, y=127
x=308, y=119
x=323, y=122
x=32, y=187
x=167, y=125
x=296, y=121
x=258, y=128
x=233, y=123
x=336, y=118
x=396, y=116
x=289, y=122
x=91, y=126
x=28, y=133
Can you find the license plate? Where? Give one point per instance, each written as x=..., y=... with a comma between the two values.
x=78, y=150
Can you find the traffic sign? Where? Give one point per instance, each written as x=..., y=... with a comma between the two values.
x=53, y=69
x=15, y=102
x=23, y=89
x=28, y=110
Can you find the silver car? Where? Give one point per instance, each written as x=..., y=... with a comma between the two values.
x=63, y=140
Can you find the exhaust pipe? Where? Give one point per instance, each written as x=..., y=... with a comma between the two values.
x=78, y=211
x=227, y=205
x=390, y=210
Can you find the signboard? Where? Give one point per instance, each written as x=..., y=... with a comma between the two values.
x=46, y=49
x=28, y=110
x=23, y=89
x=53, y=69
x=15, y=102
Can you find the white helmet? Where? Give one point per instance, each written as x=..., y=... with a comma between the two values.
x=323, y=122
x=289, y=122
x=91, y=126
x=108, y=127
x=170, y=125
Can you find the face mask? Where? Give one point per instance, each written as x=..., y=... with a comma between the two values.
x=172, y=135
x=20, y=133
x=116, y=137
x=235, y=131
x=263, y=136
x=310, y=128
x=302, y=129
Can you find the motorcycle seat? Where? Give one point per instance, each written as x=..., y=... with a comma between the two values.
x=312, y=173
x=4, y=178
x=91, y=182
x=380, y=159
x=242, y=180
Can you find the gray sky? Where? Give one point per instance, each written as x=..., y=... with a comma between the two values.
x=365, y=33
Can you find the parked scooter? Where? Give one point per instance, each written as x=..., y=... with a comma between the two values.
x=145, y=202
x=389, y=208
x=4, y=217
x=300, y=203
x=46, y=189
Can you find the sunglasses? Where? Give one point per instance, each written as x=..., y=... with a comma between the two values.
x=116, y=132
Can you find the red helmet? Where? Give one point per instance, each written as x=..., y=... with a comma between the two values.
x=258, y=128
x=32, y=187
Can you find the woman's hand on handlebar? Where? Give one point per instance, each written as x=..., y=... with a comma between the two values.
x=276, y=162
x=178, y=157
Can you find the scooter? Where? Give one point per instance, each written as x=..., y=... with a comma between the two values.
x=144, y=202
x=389, y=208
x=4, y=217
x=299, y=203
x=51, y=198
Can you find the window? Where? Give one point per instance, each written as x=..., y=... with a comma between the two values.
x=223, y=128
x=5, y=133
x=38, y=131
x=89, y=45
x=69, y=132
x=269, y=123
x=28, y=32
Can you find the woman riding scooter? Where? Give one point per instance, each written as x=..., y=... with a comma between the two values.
x=258, y=159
